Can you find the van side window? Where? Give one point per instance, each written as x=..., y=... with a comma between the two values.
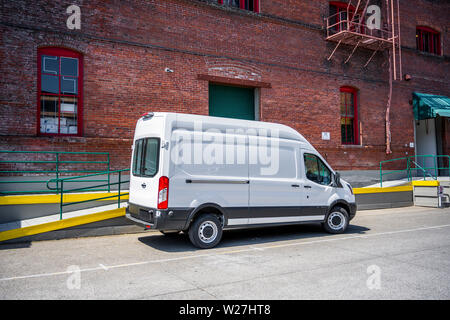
x=146, y=157
x=316, y=170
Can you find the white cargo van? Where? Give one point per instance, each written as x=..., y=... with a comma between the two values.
x=201, y=175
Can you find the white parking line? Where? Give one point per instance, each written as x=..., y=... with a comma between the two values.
x=247, y=249
x=103, y=267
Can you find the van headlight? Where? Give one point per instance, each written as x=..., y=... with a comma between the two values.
x=350, y=187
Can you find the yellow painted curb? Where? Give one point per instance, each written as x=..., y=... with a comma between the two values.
x=432, y=183
x=61, y=224
x=382, y=190
x=55, y=198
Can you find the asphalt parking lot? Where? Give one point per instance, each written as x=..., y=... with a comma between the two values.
x=385, y=254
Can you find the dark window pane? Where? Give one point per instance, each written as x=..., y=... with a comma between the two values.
x=316, y=170
x=343, y=106
x=311, y=167
x=436, y=44
x=325, y=174
x=146, y=157
x=418, y=40
x=49, y=114
x=334, y=18
x=137, y=159
x=49, y=84
x=343, y=19
x=151, y=158
x=50, y=64
x=347, y=118
x=231, y=3
x=68, y=120
x=347, y=108
x=347, y=130
x=425, y=42
x=69, y=85
x=250, y=5
x=349, y=104
x=69, y=66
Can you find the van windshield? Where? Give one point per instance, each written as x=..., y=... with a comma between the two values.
x=146, y=157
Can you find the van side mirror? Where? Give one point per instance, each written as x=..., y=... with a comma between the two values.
x=337, y=180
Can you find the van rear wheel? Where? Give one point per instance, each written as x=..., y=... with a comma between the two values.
x=336, y=221
x=206, y=231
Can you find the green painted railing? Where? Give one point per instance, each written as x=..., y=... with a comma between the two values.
x=57, y=165
x=59, y=187
x=412, y=166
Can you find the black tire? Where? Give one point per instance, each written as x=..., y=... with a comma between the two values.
x=206, y=231
x=336, y=221
x=170, y=232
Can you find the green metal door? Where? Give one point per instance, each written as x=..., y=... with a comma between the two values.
x=231, y=102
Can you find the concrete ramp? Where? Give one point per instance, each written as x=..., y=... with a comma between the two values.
x=37, y=217
x=434, y=194
x=58, y=224
x=387, y=197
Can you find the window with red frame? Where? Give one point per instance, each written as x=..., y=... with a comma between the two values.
x=251, y=5
x=349, y=115
x=428, y=40
x=60, y=74
x=338, y=14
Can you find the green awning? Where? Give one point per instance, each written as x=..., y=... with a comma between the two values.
x=428, y=106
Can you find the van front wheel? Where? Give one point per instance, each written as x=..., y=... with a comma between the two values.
x=206, y=231
x=336, y=221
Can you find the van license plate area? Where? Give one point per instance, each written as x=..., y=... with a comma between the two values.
x=146, y=215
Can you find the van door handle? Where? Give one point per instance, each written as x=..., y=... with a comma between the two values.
x=307, y=187
x=295, y=185
x=143, y=185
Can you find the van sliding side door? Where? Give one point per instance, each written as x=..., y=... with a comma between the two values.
x=274, y=185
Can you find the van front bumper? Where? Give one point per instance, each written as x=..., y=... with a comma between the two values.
x=151, y=218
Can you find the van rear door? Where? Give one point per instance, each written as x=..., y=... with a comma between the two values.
x=145, y=166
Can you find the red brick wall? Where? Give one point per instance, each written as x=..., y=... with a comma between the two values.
x=127, y=45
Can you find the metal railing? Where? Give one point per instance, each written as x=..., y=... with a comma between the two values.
x=412, y=165
x=425, y=173
x=55, y=166
x=59, y=188
x=347, y=21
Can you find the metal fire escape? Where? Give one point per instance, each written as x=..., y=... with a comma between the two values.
x=348, y=27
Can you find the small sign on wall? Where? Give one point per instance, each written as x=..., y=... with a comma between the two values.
x=325, y=136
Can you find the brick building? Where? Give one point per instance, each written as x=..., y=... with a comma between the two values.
x=83, y=89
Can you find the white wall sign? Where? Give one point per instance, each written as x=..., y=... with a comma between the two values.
x=74, y=20
x=374, y=19
x=325, y=136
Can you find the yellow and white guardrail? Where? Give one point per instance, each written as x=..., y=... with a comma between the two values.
x=55, y=198
x=61, y=224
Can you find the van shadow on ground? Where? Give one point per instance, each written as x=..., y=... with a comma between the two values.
x=244, y=237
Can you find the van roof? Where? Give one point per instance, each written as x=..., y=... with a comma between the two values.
x=187, y=121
